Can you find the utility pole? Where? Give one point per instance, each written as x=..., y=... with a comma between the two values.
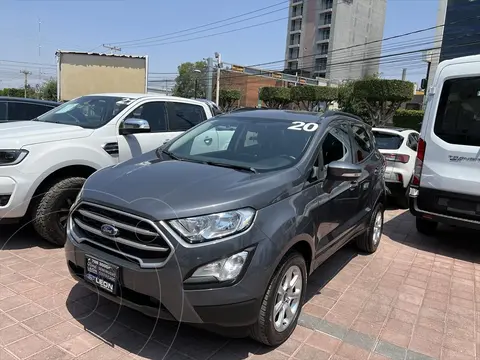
x=112, y=48
x=39, y=57
x=25, y=73
x=218, y=56
x=209, y=78
x=404, y=74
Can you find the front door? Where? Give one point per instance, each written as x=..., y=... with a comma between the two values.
x=343, y=195
x=133, y=145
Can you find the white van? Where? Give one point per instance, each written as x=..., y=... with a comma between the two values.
x=445, y=186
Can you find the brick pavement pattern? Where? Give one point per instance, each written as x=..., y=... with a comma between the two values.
x=417, y=298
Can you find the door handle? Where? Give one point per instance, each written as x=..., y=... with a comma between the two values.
x=207, y=140
x=353, y=185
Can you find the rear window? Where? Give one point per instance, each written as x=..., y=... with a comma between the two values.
x=458, y=115
x=387, y=141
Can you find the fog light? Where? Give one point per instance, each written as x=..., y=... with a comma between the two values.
x=224, y=269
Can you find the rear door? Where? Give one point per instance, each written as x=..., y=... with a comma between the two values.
x=452, y=157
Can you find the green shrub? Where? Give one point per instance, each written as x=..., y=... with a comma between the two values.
x=410, y=119
x=275, y=97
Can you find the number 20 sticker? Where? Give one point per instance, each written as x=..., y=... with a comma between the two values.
x=300, y=125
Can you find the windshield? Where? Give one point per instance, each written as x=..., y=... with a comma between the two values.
x=90, y=112
x=387, y=141
x=255, y=143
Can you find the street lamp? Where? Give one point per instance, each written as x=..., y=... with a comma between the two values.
x=196, y=82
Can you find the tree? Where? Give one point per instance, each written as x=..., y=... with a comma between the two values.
x=228, y=98
x=347, y=102
x=309, y=97
x=275, y=97
x=18, y=92
x=187, y=76
x=48, y=90
x=382, y=97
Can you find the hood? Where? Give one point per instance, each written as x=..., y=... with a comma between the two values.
x=162, y=189
x=17, y=134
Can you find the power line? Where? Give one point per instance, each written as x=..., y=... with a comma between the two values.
x=374, y=41
x=200, y=26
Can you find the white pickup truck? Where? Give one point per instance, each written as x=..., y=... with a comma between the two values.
x=44, y=162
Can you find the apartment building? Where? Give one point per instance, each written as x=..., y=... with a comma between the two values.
x=332, y=38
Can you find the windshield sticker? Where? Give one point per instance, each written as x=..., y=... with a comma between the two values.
x=300, y=125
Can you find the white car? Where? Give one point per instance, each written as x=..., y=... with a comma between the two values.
x=399, y=148
x=44, y=162
x=446, y=182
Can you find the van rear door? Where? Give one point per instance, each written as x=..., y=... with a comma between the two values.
x=451, y=130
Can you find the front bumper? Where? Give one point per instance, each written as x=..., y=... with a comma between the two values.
x=422, y=205
x=161, y=293
x=14, y=192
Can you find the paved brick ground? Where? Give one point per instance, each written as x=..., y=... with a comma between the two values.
x=417, y=298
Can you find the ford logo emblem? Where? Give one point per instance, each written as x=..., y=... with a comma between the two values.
x=109, y=230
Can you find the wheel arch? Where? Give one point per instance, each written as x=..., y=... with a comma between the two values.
x=60, y=173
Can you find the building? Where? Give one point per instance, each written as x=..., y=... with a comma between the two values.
x=248, y=85
x=457, y=33
x=83, y=73
x=319, y=31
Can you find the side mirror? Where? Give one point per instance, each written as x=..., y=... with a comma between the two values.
x=343, y=171
x=134, y=126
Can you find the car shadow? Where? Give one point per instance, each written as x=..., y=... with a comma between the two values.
x=18, y=237
x=454, y=242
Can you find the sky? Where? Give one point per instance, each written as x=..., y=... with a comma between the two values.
x=84, y=25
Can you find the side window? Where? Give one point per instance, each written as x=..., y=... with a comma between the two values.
x=335, y=147
x=250, y=139
x=412, y=142
x=183, y=116
x=154, y=113
x=363, y=142
x=458, y=115
x=25, y=111
x=3, y=111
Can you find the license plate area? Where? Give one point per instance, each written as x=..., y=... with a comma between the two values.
x=102, y=274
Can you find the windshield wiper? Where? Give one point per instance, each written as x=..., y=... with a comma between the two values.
x=174, y=157
x=231, y=166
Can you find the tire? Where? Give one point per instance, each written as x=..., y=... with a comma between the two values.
x=368, y=242
x=265, y=330
x=45, y=212
x=426, y=227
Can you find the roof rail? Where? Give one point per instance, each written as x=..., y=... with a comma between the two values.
x=335, y=112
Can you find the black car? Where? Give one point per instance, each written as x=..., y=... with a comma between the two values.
x=16, y=109
x=229, y=237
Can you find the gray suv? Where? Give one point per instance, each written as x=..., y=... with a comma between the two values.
x=224, y=224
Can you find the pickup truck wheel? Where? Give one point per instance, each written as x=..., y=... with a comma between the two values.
x=282, y=302
x=369, y=241
x=51, y=210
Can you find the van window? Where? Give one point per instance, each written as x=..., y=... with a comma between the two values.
x=458, y=115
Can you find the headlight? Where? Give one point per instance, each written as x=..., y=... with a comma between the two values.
x=12, y=157
x=220, y=270
x=215, y=226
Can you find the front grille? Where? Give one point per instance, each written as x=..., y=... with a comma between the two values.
x=136, y=239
